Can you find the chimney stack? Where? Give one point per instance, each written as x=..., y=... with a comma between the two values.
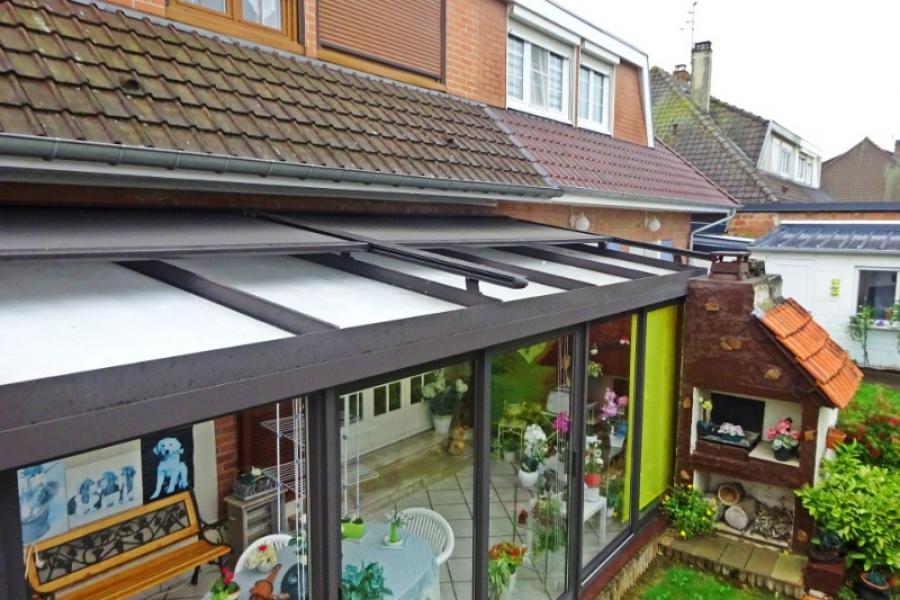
x=681, y=74
x=701, y=74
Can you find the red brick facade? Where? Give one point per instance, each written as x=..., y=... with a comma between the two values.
x=476, y=50
x=756, y=224
x=629, y=122
x=226, y=430
x=156, y=7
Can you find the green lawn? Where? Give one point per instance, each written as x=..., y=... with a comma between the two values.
x=679, y=582
x=871, y=399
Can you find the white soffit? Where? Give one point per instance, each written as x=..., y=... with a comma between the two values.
x=66, y=318
x=555, y=268
x=458, y=281
x=333, y=296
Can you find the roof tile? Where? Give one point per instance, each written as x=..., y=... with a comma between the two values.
x=829, y=365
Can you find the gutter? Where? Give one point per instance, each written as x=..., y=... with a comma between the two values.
x=610, y=199
x=724, y=219
x=167, y=162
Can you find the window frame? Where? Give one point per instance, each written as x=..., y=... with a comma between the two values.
x=884, y=323
x=607, y=71
x=784, y=150
x=232, y=22
x=529, y=38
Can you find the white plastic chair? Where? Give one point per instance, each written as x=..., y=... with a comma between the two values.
x=434, y=529
x=279, y=540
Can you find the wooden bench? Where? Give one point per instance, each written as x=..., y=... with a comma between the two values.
x=125, y=554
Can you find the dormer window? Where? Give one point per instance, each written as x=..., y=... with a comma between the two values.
x=261, y=17
x=593, y=95
x=537, y=75
x=785, y=160
x=806, y=166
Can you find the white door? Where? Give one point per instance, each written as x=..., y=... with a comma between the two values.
x=386, y=413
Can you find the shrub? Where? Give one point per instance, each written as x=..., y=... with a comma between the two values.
x=880, y=437
x=871, y=400
x=689, y=512
x=861, y=503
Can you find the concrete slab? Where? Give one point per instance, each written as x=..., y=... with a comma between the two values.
x=789, y=569
x=736, y=555
x=762, y=561
x=710, y=547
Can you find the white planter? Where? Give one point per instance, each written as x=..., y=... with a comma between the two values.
x=592, y=494
x=442, y=423
x=507, y=592
x=528, y=480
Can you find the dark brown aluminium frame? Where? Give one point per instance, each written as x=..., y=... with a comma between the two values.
x=158, y=394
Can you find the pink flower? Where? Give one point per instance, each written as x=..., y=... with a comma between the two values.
x=795, y=435
x=227, y=576
x=771, y=433
x=622, y=400
x=561, y=422
x=610, y=395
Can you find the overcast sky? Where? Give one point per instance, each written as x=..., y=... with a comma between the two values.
x=827, y=70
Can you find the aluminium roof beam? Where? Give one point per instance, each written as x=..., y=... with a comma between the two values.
x=533, y=275
x=635, y=258
x=237, y=300
x=660, y=248
x=420, y=285
x=421, y=257
x=573, y=258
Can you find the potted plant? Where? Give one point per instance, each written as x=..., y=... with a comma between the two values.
x=872, y=585
x=251, y=482
x=353, y=529
x=826, y=547
x=705, y=426
x=784, y=439
x=533, y=453
x=262, y=558
x=592, y=470
x=443, y=399
x=225, y=587
x=730, y=432
x=689, y=511
x=510, y=446
x=835, y=437
x=396, y=520
x=365, y=582
x=504, y=560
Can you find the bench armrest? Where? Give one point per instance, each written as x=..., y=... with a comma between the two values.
x=214, y=525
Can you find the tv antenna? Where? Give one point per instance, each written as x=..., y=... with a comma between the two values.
x=691, y=20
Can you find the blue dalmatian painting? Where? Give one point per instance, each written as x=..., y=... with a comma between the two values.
x=105, y=487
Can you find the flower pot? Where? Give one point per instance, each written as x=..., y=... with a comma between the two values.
x=821, y=555
x=705, y=428
x=353, y=531
x=783, y=454
x=592, y=494
x=868, y=590
x=835, y=438
x=442, y=423
x=528, y=480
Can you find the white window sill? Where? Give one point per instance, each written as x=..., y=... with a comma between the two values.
x=886, y=327
x=594, y=126
x=523, y=106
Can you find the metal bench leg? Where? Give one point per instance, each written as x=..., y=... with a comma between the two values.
x=195, y=578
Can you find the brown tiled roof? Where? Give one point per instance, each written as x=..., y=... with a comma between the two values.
x=84, y=72
x=580, y=159
x=829, y=365
x=724, y=144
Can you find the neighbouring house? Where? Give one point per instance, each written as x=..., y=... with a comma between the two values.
x=833, y=268
x=758, y=161
x=255, y=254
x=759, y=362
x=864, y=173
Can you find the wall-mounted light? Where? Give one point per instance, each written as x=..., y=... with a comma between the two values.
x=652, y=223
x=580, y=222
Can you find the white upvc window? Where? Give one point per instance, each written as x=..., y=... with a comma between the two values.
x=785, y=157
x=594, y=88
x=806, y=168
x=880, y=290
x=537, y=74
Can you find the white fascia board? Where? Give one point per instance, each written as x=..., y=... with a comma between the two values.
x=638, y=204
x=543, y=25
x=853, y=222
x=593, y=50
x=645, y=94
x=566, y=20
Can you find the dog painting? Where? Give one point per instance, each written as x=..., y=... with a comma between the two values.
x=42, y=501
x=168, y=463
x=104, y=487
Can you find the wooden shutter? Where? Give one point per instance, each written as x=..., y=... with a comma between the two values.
x=401, y=33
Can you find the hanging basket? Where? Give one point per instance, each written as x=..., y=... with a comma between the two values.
x=246, y=491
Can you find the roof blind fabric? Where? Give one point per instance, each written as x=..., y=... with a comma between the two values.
x=403, y=33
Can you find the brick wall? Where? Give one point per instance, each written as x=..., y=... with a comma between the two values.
x=628, y=119
x=156, y=7
x=476, y=50
x=226, y=429
x=756, y=224
x=618, y=222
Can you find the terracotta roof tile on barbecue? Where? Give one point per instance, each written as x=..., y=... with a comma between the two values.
x=828, y=364
x=87, y=72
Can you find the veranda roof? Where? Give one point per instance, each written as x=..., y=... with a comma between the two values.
x=220, y=318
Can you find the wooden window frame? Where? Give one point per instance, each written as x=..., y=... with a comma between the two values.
x=232, y=23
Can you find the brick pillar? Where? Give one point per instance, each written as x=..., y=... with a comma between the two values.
x=310, y=33
x=226, y=431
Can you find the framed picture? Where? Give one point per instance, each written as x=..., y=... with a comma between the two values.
x=102, y=488
x=168, y=463
x=42, y=501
